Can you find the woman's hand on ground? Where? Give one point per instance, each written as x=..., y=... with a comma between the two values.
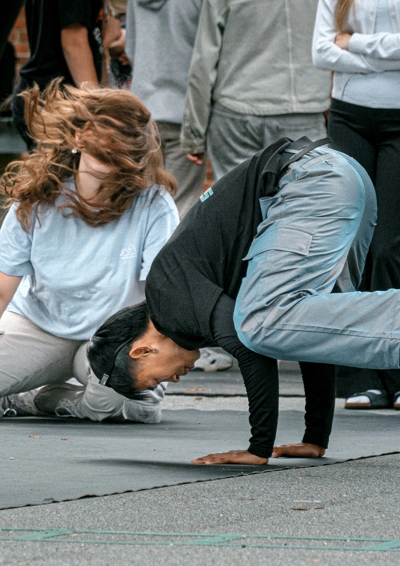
x=300, y=450
x=232, y=457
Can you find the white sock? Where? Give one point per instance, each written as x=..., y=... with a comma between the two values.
x=363, y=398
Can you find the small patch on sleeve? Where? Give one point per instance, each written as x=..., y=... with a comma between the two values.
x=206, y=194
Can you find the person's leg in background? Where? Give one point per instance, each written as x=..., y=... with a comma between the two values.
x=17, y=107
x=233, y=137
x=189, y=177
x=384, y=261
x=294, y=126
x=372, y=137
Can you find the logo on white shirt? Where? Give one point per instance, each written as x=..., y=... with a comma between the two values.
x=128, y=252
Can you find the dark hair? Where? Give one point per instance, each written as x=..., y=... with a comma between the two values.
x=108, y=350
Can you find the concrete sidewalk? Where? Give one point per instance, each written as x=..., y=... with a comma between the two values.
x=340, y=513
x=320, y=513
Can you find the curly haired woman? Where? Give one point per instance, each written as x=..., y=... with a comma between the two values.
x=89, y=210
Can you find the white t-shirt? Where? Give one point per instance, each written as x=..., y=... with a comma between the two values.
x=76, y=276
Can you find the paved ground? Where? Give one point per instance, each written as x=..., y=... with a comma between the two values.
x=343, y=513
x=288, y=517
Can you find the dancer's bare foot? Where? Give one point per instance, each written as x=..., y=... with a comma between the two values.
x=300, y=450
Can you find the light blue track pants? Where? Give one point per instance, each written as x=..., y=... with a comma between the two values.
x=313, y=240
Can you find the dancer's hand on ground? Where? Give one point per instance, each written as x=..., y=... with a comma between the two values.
x=300, y=450
x=232, y=457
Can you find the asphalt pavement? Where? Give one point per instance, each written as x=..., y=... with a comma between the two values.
x=336, y=512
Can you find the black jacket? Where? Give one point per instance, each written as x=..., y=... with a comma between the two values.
x=204, y=256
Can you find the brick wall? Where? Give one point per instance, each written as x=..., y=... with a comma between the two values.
x=209, y=180
x=19, y=39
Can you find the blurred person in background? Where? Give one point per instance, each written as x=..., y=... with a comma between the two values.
x=64, y=41
x=160, y=39
x=359, y=41
x=160, y=36
x=251, y=82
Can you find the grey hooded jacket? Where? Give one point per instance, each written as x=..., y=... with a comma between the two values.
x=160, y=39
x=253, y=57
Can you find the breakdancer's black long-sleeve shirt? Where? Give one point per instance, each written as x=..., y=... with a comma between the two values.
x=192, y=287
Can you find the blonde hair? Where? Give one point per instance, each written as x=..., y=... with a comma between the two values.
x=111, y=125
x=341, y=13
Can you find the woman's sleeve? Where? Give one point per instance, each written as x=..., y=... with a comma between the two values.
x=376, y=45
x=15, y=246
x=162, y=220
x=329, y=57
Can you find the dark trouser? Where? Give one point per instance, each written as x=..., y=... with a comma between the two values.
x=9, y=13
x=372, y=137
x=260, y=376
x=18, y=112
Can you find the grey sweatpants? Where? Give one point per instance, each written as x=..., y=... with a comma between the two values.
x=285, y=308
x=189, y=176
x=233, y=137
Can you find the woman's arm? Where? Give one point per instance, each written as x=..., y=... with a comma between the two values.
x=8, y=286
x=376, y=45
x=15, y=255
x=329, y=56
x=78, y=54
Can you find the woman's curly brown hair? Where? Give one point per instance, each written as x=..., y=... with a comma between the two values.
x=111, y=125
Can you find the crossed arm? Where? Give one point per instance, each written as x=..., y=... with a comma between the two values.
x=357, y=53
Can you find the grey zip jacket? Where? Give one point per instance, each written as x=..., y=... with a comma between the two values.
x=253, y=57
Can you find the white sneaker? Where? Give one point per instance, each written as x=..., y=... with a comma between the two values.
x=9, y=408
x=59, y=399
x=65, y=408
x=212, y=359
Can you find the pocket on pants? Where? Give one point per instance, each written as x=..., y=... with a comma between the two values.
x=285, y=239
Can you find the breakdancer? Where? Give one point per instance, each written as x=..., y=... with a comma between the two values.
x=278, y=245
